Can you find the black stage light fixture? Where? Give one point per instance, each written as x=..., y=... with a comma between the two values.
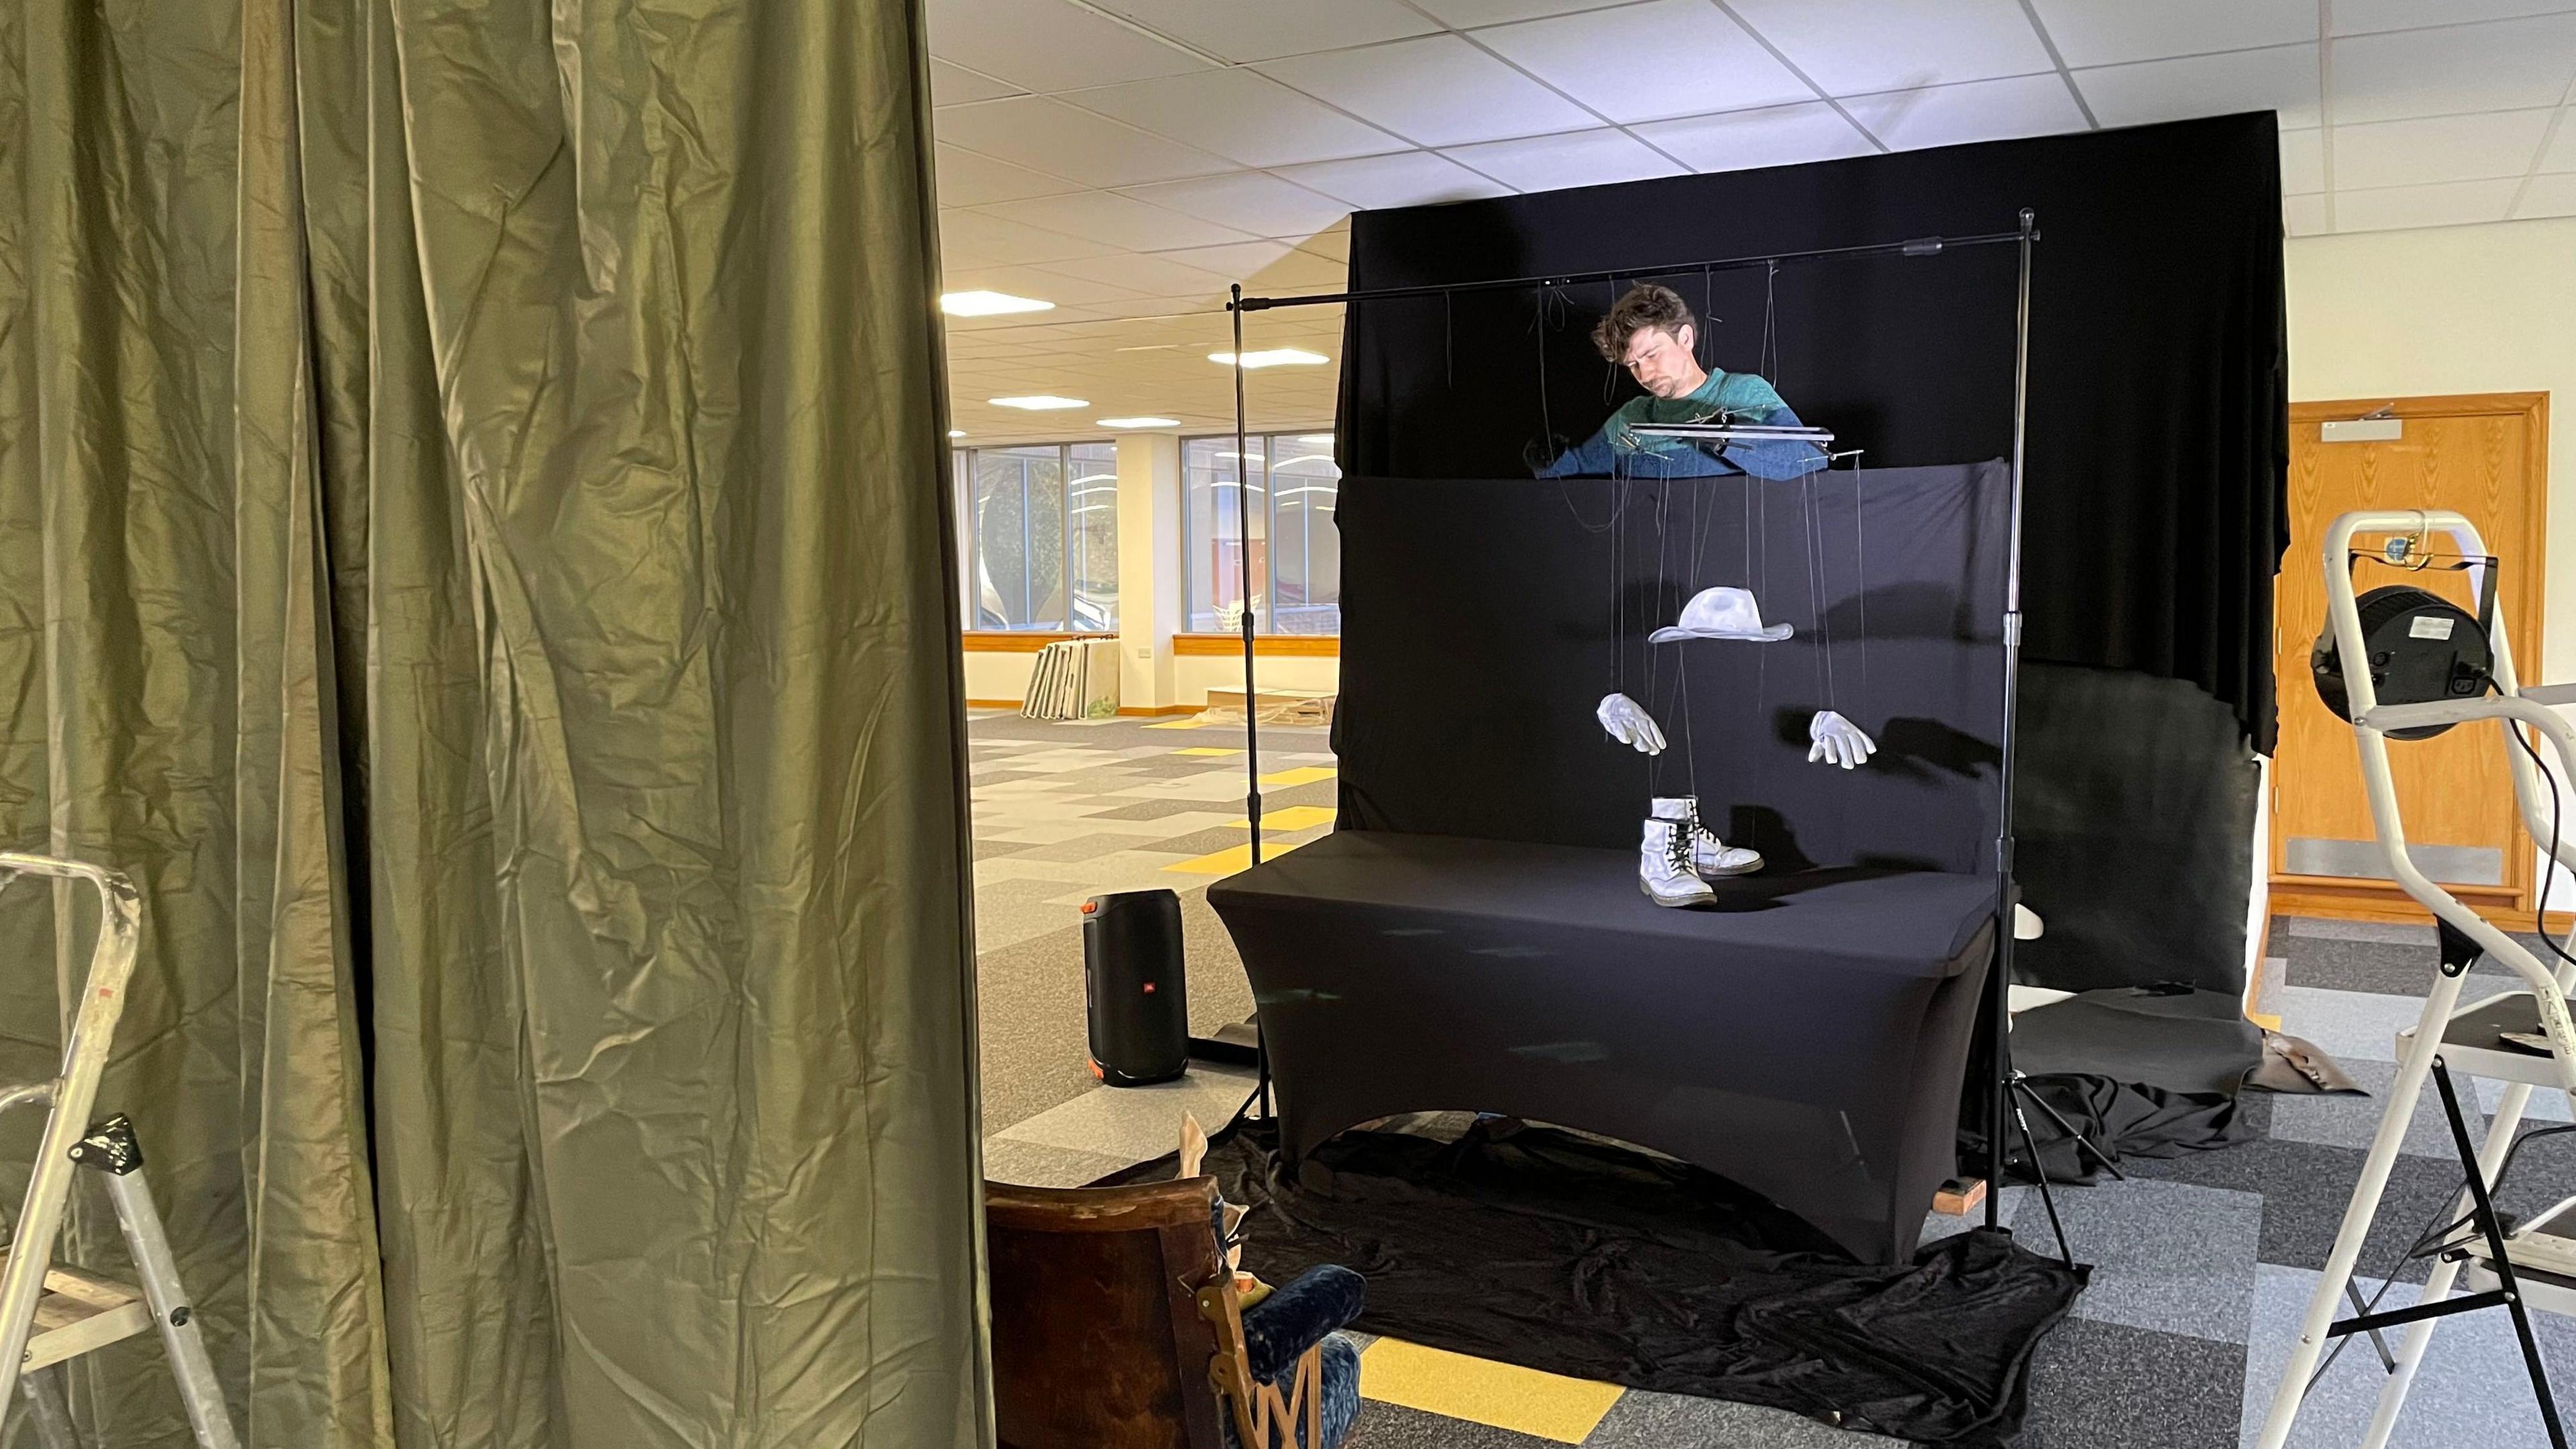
x=2422, y=647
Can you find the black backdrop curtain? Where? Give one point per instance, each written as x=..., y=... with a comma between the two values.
x=2158, y=447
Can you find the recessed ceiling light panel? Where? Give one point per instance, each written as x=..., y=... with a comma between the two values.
x=989, y=304
x=1129, y=424
x=1040, y=402
x=1273, y=357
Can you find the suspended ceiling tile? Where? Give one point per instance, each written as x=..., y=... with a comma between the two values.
x=2505, y=65
x=1408, y=178
x=1702, y=61
x=2357, y=17
x=1050, y=136
x=1234, y=261
x=1995, y=110
x=1467, y=14
x=2304, y=215
x=2113, y=32
x=966, y=179
x=1246, y=30
x=1249, y=201
x=2452, y=203
x=1115, y=220
x=1776, y=136
x=2441, y=148
x=975, y=238
x=951, y=84
x=1048, y=45
x=2303, y=162
x=1044, y=286
x=2561, y=155
x=2283, y=79
x=1146, y=275
x=1242, y=114
x=1887, y=45
x=2551, y=195
x=1436, y=91
x=1333, y=241
x=1577, y=158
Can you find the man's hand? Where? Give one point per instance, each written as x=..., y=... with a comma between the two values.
x=1629, y=724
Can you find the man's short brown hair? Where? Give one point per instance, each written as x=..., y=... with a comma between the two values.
x=1644, y=305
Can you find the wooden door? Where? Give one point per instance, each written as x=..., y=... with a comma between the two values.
x=2481, y=456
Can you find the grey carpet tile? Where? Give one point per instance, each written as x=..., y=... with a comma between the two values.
x=2350, y=1025
x=2173, y=1257
x=1392, y=1426
x=1160, y=809
x=1031, y=1027
x=2472, y=1389
x=2109, y=1386
x=2373, y=966
x=1642, y=1420
x=1039, y=1164
x=1219, y=991
x=1137, y=1124
x=2385, y=932
x=2354, y=1121
x=1097, y=847
x=990, y=849
x=2305, y=1186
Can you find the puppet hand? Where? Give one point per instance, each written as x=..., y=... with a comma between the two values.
x=1837, y=741
x=1629, y=724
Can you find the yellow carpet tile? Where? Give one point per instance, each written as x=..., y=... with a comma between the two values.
x=1289, y=817
x=1505, y=1396
x=1302, y=775
x=1233, y=858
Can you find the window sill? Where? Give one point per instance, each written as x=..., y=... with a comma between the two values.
x=1264, y=646
x=1018, y=641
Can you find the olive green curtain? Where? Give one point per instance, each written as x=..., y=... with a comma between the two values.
x=475, y=552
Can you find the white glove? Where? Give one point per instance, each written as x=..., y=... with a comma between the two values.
x=1629, y=724
x=1837, y=741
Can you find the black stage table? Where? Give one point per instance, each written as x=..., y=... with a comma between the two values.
x=1805, y=1036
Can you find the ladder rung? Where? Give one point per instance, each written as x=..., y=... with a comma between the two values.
x=2472, y=1047
x=79, y=1313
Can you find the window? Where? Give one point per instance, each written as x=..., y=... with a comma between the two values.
x=1296, y=554
x=1041, y=536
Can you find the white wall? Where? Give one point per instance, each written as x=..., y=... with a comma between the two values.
x=1149, y=567
x=996, y=677
x=2459, y=309
x=1304, y=673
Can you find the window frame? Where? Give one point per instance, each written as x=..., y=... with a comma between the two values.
x=963, y=479
x=1265, y=619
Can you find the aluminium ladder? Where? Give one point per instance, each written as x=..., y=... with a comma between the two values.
x=2446, y=1036
x=49, y=1312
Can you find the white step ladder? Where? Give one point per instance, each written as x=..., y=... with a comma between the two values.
x=49, y=1312
x=2447, y=1038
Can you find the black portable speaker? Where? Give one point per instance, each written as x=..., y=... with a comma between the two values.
x=1139, y=998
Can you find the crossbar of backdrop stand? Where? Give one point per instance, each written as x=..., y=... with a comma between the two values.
x=1921, y=246
x=2022, y=237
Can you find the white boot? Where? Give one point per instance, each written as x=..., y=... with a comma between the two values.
x=1711, y=857
x=1664, y=867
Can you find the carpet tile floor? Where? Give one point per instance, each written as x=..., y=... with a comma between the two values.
x=2203, y=1263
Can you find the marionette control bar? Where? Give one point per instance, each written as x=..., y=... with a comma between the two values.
x=1732, y=433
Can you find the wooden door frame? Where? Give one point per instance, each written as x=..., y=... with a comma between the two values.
x=2309, y=895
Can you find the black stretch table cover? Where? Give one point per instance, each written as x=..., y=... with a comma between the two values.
x=1804, y=1038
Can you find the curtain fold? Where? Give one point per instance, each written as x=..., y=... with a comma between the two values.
x=470, y=491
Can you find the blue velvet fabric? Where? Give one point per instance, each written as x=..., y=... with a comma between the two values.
x=1294, y=1318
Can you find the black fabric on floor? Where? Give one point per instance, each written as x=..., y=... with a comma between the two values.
x=1533, y=1246
x=2141, y=1072
x=2179, y=1041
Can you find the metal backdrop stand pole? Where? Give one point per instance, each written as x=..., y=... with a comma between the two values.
x=1251, y=688
x=2000, y=1021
